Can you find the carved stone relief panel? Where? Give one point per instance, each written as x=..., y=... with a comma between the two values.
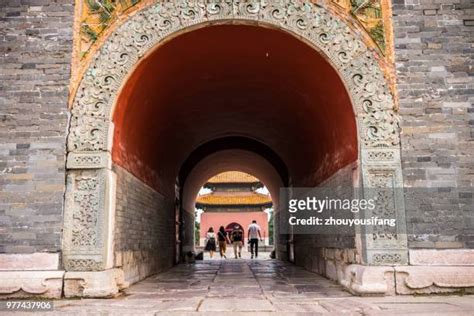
x=383, y=182
x=88, y=220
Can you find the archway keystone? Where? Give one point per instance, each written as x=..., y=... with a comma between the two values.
x=91, y=183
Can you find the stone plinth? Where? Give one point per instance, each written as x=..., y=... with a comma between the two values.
x=27, y=284
x=434, y=279
x=94, y=284
x=369, y=280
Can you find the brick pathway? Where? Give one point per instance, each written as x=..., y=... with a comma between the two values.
x=251, y=287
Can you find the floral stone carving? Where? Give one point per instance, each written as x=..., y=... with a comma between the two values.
x=90, y=198
x=357, y=65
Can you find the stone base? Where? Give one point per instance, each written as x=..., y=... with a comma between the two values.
x=101, y=284
x=137, y=265
x=434, y=279
x=392, y=280
x=27, y=284
x=369, y=280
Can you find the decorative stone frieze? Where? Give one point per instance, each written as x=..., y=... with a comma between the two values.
x=89, y=160
x=382, y=156
x=357, y=65
x=89, y=133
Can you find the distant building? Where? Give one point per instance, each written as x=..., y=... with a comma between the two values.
x=233, y=201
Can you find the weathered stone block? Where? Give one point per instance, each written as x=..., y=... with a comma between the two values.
x=104, y=284
x=22, y=284
x=34, y=261
x=434, y=279
x=448, y=257
x=369, y=280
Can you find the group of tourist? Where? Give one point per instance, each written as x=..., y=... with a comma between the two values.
x=236, y=237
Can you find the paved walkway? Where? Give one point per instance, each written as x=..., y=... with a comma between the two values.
x=255, y=287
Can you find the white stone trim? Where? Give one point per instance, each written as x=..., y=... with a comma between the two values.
x=441, y=257
x=29, y=261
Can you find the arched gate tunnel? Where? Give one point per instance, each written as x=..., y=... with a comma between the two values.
x=226, y=97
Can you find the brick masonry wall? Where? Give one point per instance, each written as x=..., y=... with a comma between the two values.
x=311, y=251
x=434, y=53
x=144, y=228
x=35, y=56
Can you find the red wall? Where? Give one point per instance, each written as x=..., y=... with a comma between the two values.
x=217, y=220
x=234, y=80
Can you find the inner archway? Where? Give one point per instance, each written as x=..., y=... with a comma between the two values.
x=248, y=86
x=227, y=204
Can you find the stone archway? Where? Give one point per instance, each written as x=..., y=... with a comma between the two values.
x=90, y=196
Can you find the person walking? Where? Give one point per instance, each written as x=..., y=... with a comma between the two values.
x=222, y=239
x=211, y=242
x=254, y=235
x=237, y=237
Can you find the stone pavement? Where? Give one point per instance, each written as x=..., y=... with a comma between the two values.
x=254, y=287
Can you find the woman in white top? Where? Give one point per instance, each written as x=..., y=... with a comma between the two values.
x=211, y=242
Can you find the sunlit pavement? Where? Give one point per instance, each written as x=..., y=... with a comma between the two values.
x=254, y=287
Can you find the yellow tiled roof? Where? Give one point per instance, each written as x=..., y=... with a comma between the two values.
x=251, y=198
x=233, y=177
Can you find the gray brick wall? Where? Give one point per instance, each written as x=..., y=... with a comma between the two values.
x=35, y=56
x=434, y=52
x=309, y=249
x=144, y=228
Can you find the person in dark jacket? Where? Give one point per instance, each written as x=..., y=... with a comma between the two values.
x=222, y=239
x=237, y=237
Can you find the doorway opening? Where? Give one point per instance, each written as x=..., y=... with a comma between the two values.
x=231, y=201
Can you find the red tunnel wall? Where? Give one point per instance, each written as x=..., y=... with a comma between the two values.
x=234, y=80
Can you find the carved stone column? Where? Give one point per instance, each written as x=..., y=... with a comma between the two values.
x=88, y=254
x=382, y=180
x=89, y=216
